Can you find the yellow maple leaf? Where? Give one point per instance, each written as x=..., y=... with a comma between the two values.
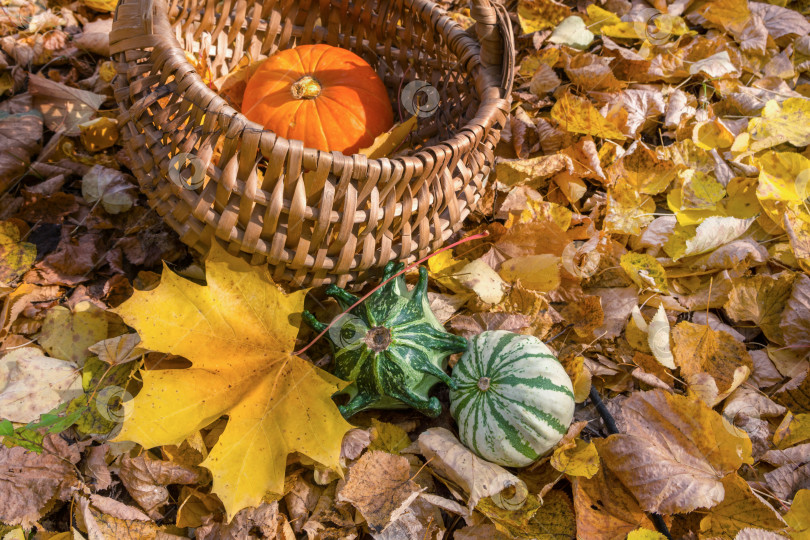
x=237, y=331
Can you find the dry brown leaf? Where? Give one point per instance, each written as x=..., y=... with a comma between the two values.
x=95, y=37
x=591, y=72
x=118, y=350
x=62, y=106
x=248, y=524
x=795, y=394
x=97, y=468
x=471, y=325
x=420, y=521
x=20, y=136
x=194, y=507
x=698, y=351
x=72, y=261
x=103, y=526
x=480, y=532
x=761, y=299
x=795, y=323
x=617, y=304
x=146, y=480
x=675, y=453
x=605, y=509
x=379, y=485
x=29, y=482
x=786, y=480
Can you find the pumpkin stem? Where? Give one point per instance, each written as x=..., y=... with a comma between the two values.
x=378, y=338
x=306, y=88
x=483, y=384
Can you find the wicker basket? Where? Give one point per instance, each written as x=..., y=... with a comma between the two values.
x=249, y=191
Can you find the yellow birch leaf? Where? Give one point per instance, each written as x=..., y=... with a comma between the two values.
x=787, y=122
x=535, y=15
x=799, y=516
x=578, y=115
x=387, y=143
x=645, y=271
x=600, y=17
x=793, y=430
x=238, y=331
x=388, y=437
x=628, y=211
x=536, y=272
x=580, y=459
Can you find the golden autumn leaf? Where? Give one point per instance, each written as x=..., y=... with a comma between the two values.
x=740, y=508
x=16, y=256
x=577, y=458
x=645, y=271
x=605, y=509
x=238, y=331
x=793, y=430
x=787, y=122
x=799, y=516
x=578, y=115
x=675, y=453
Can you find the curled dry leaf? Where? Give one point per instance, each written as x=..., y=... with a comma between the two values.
x=118, y=350
x=263, y=521
x=146, y=480
x=20, y=136
x=476, y=477
x=675, y=452
x=379, y=485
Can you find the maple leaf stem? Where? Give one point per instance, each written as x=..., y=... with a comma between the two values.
x=369, y=293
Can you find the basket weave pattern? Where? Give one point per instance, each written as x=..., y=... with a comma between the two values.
x=256, y=192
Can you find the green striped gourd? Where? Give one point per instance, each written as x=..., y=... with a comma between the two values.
x=391, y=347
x=513, y=400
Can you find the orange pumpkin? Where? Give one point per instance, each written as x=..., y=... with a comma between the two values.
x=328, y=97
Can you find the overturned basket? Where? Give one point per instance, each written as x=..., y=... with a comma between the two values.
x=213, y=174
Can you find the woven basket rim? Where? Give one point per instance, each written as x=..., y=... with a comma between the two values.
x=420, y=157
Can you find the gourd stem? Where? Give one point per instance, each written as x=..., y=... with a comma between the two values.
x=369, y=293
x=483, y=384
x=306, y=88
